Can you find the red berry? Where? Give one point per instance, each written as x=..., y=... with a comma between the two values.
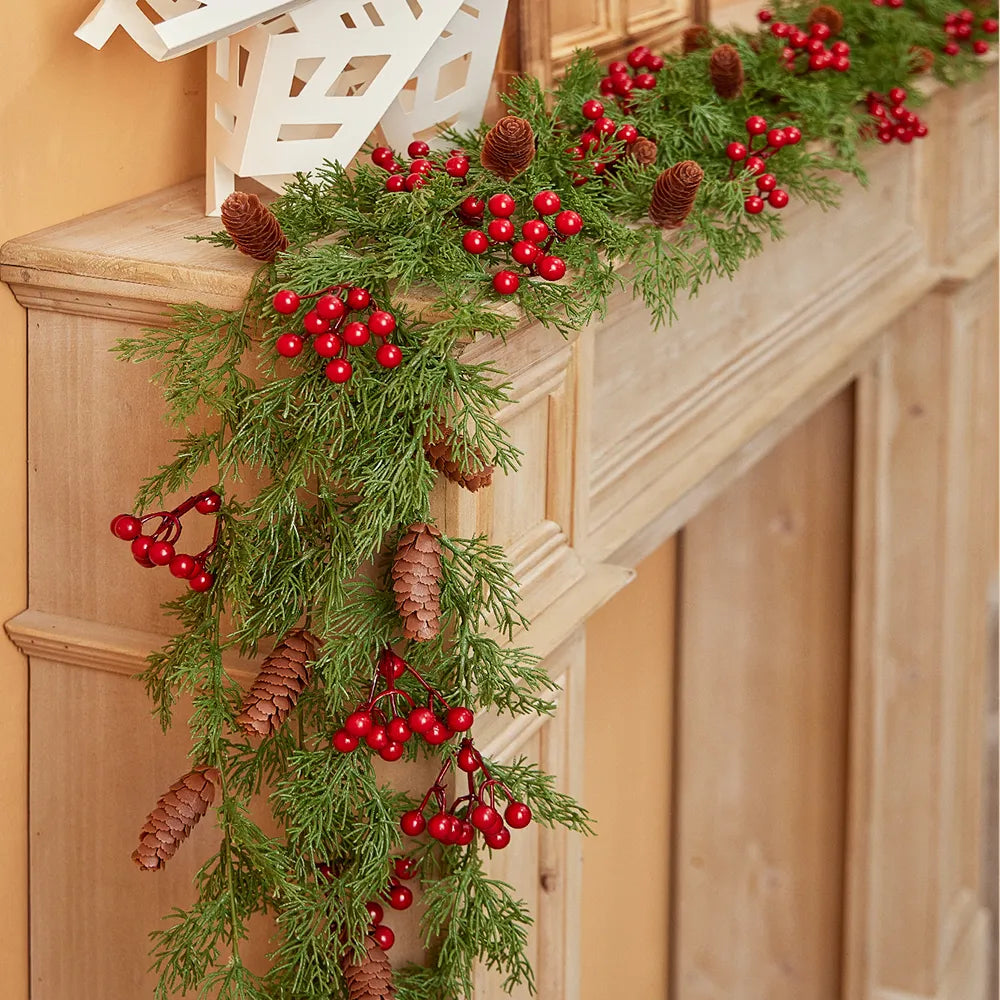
x=654, y=63
x=140, y=548
x=456, y=166
x=736, y=151
x=209, y=503
x=327, y=345
x=413, y=182
x=755, y=165
x=546, y=203
x=289, y=345
x=569, y=223
x=382, y=156
x=920, y=130
x=797, y=39
x=604, y=126
x=356, y=334
x=412, y=823
x=460, y=718
x=383, y=937
x=391, y=751
x=467, y=760
x=895, y=4
x=778, y=198
x=767, y=182
x=422, y=167
x=339, y=370
x=285, y=301
x=392, y=666
x=417, y=148
x=395, y=183
x=535, y=231
x=754, y=205
x=358, y=723
x=817, y=61
x=966, y=16
x=820, y=31
x=484, y=817
x=389, y=356
x=314, y=323
x=623, y=85
x=160, y=553
x=439, y=827
x=201, y=582
x=589, y=140
x=506, y=282
x=764, y=16
x=814, y=44
x=465, y=834
x=792, y=135
x=399, y=730
x=475, y=241
x=436, y=733
x=990, y=26
x=344, y=742
x=841, y=64
x=358, y=298
x=473, y=207
x=645, y=81
x=840, y=49
x=963, y=31
x=524, y=252
x=637, y=57
x=375, y=912
x=756, y=125
x=897, y=96
x=501, y=205
x=777, y=138
x=951, y=49
x=377, y=737
x=980, y=47
x=617, y=67
x=781, y=30
x=627, y=133
x=381, y=323
x=592, y=110
x=607, y=86
x=126, y=527
x=404, y=868
x=421, y=719
x=497, y=839
x=329, y=307
x=551, y=268
x=517, y=815
x=400, y=897
x=184, y=566
x=500, y=230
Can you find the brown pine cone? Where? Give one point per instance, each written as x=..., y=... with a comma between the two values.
x=643, y=151
x=674, y=193
x=509, y=147
x=416, y=581
x=695, y=37
x=283, y=677
x=726, y=70
x=253, y=227
x=830, y=16
x=175, y=815
x=371, y=978
x=921, y=59
x=441, y=457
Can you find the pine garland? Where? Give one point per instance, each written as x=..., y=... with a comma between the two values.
x=345, y=471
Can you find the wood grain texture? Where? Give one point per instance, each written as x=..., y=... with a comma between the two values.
x=763, y=660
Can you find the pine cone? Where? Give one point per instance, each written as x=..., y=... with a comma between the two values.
x=371, y=979
x=253, y=227
x=175, y=815
x=509, y=147
x=441, y=457
x=921, y=59
x=726, y=70
x=695, y=37
x=643, y=151
x=674, y=193
x=283, y=677
x=830, y=16
x=416, y=581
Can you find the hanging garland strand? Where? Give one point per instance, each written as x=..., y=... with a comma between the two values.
x=678, y=165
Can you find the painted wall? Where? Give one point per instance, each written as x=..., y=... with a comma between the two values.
x=81, y=130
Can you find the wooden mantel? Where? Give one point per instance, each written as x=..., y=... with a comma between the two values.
x=627, y=434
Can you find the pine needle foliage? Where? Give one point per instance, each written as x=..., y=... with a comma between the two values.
x=320, y=481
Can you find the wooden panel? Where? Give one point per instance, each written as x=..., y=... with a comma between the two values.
x=762, y=666
x=629, y=726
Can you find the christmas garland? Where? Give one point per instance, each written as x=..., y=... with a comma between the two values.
x=336, y=394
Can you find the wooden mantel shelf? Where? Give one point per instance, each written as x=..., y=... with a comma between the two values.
x=627, y=434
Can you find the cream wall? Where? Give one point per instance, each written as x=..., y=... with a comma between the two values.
x=79, y=130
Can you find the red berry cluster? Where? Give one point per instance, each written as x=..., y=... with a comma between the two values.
x=386, y=727
x=397, y=895
x=637, y=72
x=755, y=161
x=892, y=120
x=419, y=168
x=327, y=322
x=531, y=251
x=476, y=810
x=813, y=44
x=601, y=135
x=960, y=26
x=159, y=548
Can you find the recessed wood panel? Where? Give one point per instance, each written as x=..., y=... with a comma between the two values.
x=763, y=652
